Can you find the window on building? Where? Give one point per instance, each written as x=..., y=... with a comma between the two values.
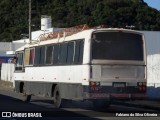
x=29, y=56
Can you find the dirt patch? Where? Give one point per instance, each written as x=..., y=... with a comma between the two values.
x=6, y=85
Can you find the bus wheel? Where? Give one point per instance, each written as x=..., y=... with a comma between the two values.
x=101, y=103
x=58, y=101
x=27, y=98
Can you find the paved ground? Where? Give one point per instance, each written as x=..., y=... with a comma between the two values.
x=12, y=102
x=148, y=104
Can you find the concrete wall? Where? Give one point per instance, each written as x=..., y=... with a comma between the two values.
x=153, y=63
x=7, y=70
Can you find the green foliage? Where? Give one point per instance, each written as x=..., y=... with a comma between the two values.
x=67, y=13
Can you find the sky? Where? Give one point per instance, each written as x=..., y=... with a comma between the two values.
x=153, y=3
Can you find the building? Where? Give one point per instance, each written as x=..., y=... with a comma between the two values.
x=153, y=63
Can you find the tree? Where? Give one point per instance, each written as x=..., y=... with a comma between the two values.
x=67, y=13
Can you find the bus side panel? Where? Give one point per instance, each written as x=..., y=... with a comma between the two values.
x=71, y=91
x=46, y=89
x=17, y=86
x=34, y=88
x=71, y=83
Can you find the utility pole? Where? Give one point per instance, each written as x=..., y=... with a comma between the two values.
x=30, y=33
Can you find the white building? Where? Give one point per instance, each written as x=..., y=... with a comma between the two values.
x=153, y=63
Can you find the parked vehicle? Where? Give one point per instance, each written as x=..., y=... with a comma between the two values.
x=93, y=64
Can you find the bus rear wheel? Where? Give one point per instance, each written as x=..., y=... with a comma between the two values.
x=58, y=101
x=27, y=98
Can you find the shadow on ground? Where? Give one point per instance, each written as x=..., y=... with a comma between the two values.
x=11, y=104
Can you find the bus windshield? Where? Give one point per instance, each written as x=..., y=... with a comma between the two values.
x=117, y=46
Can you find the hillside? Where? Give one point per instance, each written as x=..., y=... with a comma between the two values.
x=66, y=13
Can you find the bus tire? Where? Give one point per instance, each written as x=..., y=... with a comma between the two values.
x=101, y=103
x=58, y=101
x=27, y=98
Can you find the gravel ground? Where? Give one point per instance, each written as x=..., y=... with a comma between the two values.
x=6, y=85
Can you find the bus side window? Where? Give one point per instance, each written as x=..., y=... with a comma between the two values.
x=55, y=53
x=49, y=50
x=37, y=56
x=42, y=55
x=19, y=63
x=78, y=57
x=70, y=52
x=26, y=57
x=31, y=57
x=63, y=53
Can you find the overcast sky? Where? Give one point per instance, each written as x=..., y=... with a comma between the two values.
x=153, y=3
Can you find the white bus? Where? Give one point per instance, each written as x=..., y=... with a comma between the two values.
x=95, y=64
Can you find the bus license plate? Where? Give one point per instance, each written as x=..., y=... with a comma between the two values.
x=118, y=84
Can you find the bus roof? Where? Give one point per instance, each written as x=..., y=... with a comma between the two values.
x=82, y=34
